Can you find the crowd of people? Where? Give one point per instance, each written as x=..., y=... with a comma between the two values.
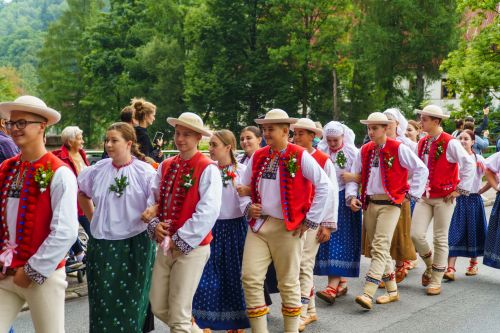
x=200, y=242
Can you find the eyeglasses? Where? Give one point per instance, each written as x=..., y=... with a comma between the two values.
x=20, y=124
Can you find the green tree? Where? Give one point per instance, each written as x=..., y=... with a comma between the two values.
x=10, y=84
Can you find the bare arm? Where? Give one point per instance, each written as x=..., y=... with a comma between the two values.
x=86, y=205
x=490, y=177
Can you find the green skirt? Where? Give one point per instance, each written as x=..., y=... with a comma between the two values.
x=119, y=277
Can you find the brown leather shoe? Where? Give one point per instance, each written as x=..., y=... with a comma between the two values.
x=450, y=274
x=365, y=301
x=328, y=295
x=433, y=291
x=384, y=299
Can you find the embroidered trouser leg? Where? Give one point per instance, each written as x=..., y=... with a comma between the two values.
x=380, y=222
x=46, y=303
x=272, y=243
x=311, y=247
x=442, y=212
x=174, y=284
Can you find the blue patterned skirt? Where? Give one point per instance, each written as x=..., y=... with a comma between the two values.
x=492, y=246
x=468, y=227
x=341, y=254
x=219, y=303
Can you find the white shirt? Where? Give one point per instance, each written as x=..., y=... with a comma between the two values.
x=332, y=208
x=493, y=164
x=270, y=191
x=350, y=155
x=196, y=228
x=234, y=205
x=63, y=227
x=408, y=160
x=456, y=153
x=477, y=181
x=116, y=217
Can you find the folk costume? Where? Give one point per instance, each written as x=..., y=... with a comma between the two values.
x=120, y=255
x=384, y=186
x=39, y=223
x=281, y=181
x=340, y=256
x=450, y=169
x=311, y=244
x=219, y=303
x=492, y=245
x=189, y=194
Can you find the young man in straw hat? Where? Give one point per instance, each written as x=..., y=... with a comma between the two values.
x=38, y=220
x=451, y=173
x=305, y=131
x=188, y=189
x=281, y=177
x=384, y=165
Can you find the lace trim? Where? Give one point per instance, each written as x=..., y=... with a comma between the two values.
x=34, y=275
x=329, y=225
x=310, y=224
x=153, y=223
x=181, y=244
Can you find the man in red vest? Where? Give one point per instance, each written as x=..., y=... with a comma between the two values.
x=281, y=177
x=451, y=172
x=38, y=220
x=305, y=131
x=384, y=165
x=188, y=190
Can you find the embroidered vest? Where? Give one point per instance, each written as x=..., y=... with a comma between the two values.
x=393, y=175
x=443, y=175
x=35, y=210
x=295, y=192
x=182, y=203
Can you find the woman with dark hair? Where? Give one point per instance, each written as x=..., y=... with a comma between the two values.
x=144, y=115
x=120, y=254
x=250, y=140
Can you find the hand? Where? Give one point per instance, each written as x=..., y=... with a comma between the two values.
x=300, y=231
x=356, y=204
x=243, y=190
x=21, y=279
x=149, y=213
x=159, y=142
x=451, y=197
x=161, y=231
x=323, y=234
x=486, y=134
x=350, y=177
x=486, y=111
x=255, y=211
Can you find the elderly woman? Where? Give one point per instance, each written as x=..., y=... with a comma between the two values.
x=72, y=153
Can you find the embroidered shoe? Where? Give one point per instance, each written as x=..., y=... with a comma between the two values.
x=365, y=301
x=387, y=298
x=450, y=274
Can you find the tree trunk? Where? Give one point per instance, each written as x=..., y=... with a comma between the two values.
x=305, y=89
x=419, y=87
x=336, y=111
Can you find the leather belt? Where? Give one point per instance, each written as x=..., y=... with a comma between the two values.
x=383, y=202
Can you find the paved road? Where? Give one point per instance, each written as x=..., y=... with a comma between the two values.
x=470, y=304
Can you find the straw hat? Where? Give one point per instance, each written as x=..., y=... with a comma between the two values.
x=376, y=118
x=33, y=105
x=191, y=121
x=433, y=111
x=276, y=116
x=307, y=124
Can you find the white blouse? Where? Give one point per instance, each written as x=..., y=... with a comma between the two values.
x=233, y=205
x=477, y=181
x=493, y=164
x=117, y=217
x=350, y=155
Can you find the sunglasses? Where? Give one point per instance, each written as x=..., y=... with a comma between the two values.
x=20, y=124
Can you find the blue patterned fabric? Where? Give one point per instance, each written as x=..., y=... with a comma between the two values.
x=413, y=202
x=468, y=227
x=340, y=256
x=492, y=246
x=219, y=303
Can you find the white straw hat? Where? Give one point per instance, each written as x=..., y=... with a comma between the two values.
x=307, y=124
x=276, y=116
x=191, y=121
x=376, y=118
x=433, y=111
x=34, y=105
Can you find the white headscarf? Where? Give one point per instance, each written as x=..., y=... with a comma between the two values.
x=395, y=114
x=334, y=128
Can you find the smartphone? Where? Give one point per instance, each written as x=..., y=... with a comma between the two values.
x=158, y=137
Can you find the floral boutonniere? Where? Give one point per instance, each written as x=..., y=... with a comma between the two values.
x=389, y=160
x=188, y=180
x=439, y=150
x=43, y=177
x=291, y=165
x=341, y=159
x=227, y=176
x=119, y=186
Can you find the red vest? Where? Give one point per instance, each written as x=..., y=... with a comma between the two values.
x=321, y=158
x=443, y=175
x=295, y=192
x=394, y=176
x=183, y=201
x=35, y=210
